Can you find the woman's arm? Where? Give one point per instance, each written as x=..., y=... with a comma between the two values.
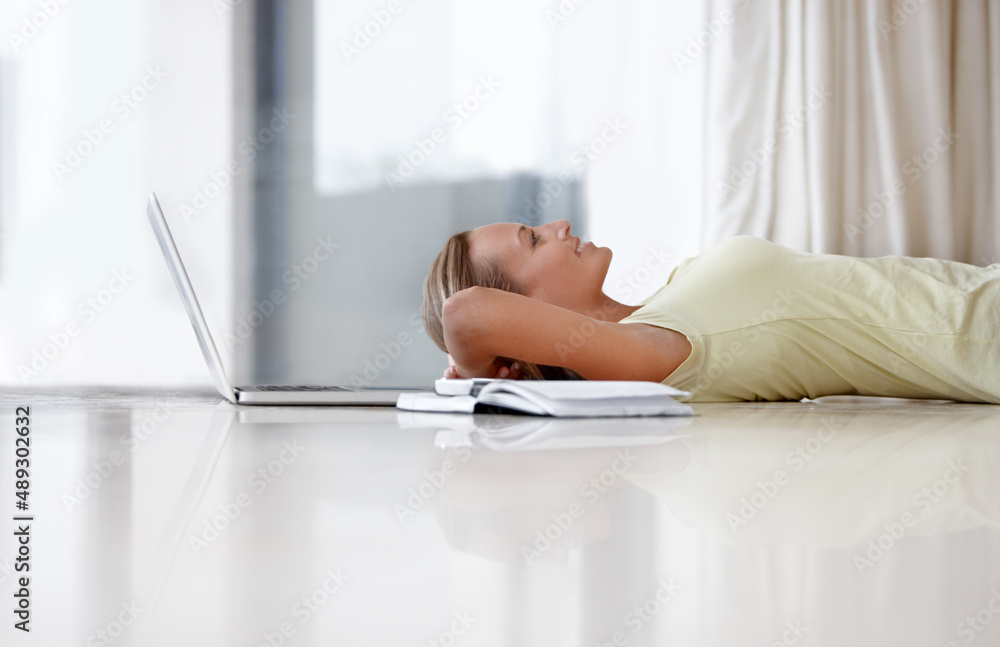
x=482, y=324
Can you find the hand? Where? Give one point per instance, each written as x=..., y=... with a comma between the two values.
x=512, y=372
x=451, y=373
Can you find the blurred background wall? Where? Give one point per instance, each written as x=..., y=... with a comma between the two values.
x=312, y=157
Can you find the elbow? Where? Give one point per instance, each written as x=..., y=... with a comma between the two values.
x=451, y=315
x=461, y=317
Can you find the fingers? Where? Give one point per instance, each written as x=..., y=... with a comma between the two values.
x=511, y=373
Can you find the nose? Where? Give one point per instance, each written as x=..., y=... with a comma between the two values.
x=561, y=228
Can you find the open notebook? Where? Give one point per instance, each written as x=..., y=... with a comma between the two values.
x=558, y=398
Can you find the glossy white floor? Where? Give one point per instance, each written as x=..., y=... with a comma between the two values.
x=171, y=519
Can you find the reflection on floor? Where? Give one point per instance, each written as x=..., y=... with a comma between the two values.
x=169, y=518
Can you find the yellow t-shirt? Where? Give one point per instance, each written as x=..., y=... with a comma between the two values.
x=769, y=323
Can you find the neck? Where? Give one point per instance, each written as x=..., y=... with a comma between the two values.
x=604, y=308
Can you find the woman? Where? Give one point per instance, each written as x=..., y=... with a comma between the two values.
x=745, y=320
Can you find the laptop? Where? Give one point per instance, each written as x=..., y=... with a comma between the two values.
x=280, y=395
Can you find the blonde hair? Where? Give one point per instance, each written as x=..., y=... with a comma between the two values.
x=452, y=271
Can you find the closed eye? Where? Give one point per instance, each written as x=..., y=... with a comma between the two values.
x=534, y=238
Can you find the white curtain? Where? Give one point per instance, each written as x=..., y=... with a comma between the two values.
x=858, y=127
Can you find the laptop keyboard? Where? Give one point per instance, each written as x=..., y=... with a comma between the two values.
x=301, y=388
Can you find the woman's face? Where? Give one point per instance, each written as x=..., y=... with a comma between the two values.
x=545, y=261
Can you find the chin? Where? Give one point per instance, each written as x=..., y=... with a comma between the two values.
x=606, y=252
